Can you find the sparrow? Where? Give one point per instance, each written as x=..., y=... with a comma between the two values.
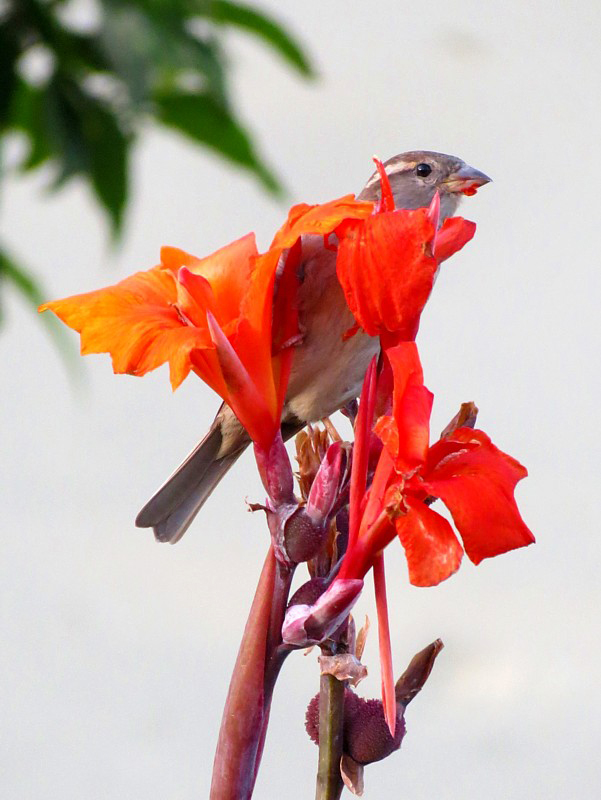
x=327, y=370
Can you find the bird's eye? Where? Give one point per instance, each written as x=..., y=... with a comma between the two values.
x=423, y=170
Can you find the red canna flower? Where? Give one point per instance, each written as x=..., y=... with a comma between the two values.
x=473, y=478
x=387, y=264
x=223, y=317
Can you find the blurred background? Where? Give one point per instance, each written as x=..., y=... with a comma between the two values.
x=116, y=651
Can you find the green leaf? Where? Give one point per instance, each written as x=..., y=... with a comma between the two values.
x=22, y=280
x=266, y=28
x=28, y=114
x=150, y=47
x=89, y=141
x=108, y=149
x=9, y=52
x=202, y=118
x=82, y=134
x=29, y=287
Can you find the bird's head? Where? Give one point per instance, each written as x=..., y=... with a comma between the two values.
x=417, y=175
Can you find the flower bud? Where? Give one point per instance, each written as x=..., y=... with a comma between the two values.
x=309, y=592
x=306, y=624
x=327, y=484
x=303, y=537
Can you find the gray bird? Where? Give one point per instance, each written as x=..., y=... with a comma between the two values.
x=327, y=371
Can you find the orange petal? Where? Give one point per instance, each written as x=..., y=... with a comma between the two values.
x=319, y=219
x=134, y=321
x=228, y=271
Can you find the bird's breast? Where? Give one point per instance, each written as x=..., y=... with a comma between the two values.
x=327, y=370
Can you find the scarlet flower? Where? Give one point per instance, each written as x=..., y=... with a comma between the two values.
x=473, y=478
x=387, y=264
x=223, y=317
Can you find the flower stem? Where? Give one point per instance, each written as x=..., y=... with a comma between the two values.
x=331, y=717
x=246, y=712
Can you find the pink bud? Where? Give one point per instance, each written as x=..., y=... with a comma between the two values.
x=327, y=484
x=310, y=624
x=276, y=472
x=303, y=538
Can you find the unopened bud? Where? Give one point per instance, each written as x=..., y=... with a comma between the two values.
x=306, y=624
x=303, y=537
x=328, y=482
x=309, y=592
x=276, y=472
x=417, y=673
x=464, y=418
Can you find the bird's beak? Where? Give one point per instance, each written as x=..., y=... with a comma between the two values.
x=466, y=180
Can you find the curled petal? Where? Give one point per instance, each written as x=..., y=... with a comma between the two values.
x=227, y=270
x=477, y=482
x=320, y=219
x=387, y=271
x=387, y=202
x=406, y=434
x=454, y=234
x=363, y=427
x=242, y=395
x=432, y=550
x=194, y=297
x=434, y=211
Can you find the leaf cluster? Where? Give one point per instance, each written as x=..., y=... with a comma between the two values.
x=79, y=97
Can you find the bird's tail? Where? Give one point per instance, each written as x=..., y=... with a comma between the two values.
x=171, y=510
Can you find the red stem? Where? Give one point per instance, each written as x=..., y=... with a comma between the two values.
x=246, y=712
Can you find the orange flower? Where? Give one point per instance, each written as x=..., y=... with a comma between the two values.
x=224, y=317
x=388, y=262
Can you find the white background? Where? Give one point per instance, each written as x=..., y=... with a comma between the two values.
x=116, y=651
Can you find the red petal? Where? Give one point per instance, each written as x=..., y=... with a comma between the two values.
x=387, y=271
x=242, y=396
x=432, y=550
x=477, y=483
x=453, y=235
x=387, y=201
x=434, y=210
x=388, y=695
x=407, y=438
x=361, y=451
